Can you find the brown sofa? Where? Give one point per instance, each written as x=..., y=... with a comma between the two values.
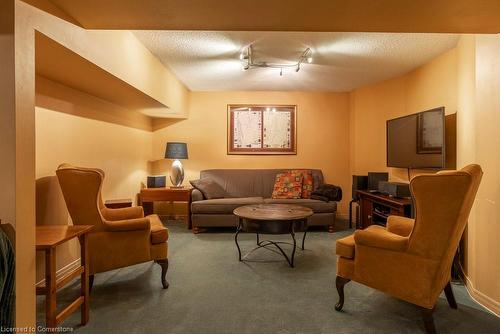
x=251, y=186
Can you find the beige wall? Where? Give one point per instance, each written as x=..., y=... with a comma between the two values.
x=484, y=250
x=466, y=134
x=429, y=86
x=322, y=135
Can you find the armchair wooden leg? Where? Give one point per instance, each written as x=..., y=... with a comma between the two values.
x=340, y=282
x=91, y=282
x=428, y=320
x=449, y=296
x=164, y=268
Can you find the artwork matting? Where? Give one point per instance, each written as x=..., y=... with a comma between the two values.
x=261, y=129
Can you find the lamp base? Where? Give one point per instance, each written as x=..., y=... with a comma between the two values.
x=176, y=174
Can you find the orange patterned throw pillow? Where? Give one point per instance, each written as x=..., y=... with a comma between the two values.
x=288, y=185
x=307, y=181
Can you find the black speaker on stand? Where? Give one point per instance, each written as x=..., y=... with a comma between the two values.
x=359, y=182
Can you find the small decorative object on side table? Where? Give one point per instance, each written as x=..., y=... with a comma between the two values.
x=176, y=151
x=118, y=203
x=148, y=196
x=47, y=238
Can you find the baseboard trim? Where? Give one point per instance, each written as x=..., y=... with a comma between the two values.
x=488, y=303
x=62, y=271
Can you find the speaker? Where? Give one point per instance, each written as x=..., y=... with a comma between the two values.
x=157, y=181
x=359, y=182
x=394, y=189
x=374, y=178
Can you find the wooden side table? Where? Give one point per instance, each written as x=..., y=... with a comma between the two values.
x=376, y=208
x=148, y=196
x=118, y=203
x=47, y=238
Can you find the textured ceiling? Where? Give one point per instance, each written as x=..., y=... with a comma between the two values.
x=209, y=61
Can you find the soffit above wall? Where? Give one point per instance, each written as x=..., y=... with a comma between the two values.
x=58, y=63
x=209, y=61
x=450, y=16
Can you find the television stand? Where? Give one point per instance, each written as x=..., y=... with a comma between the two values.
x=376, y=207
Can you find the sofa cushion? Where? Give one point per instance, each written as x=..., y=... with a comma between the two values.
x=307, y=182
x=209, y=188
x=315, y=205
x=288, y=185
x=223, y=205
x=159, y=233
x=345, y=247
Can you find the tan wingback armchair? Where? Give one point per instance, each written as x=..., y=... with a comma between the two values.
x=121, y=237
x=411, y=259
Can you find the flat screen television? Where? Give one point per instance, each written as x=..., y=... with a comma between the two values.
x=417, y=140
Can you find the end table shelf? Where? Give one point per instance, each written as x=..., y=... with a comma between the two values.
x=47, y=238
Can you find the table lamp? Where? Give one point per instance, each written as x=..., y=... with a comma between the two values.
x=176, y=151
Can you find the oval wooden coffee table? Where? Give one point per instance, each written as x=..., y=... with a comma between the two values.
x=272, y=219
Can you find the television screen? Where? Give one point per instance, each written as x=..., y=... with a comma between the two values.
x=417, y=140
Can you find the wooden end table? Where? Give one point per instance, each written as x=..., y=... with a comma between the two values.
x=148, y=196
x=272, y=219
x=47, y=238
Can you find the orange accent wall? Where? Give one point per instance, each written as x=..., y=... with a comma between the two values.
x=322, y=135
x=429, y=86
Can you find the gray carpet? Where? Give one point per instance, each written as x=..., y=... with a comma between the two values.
x=211, y=292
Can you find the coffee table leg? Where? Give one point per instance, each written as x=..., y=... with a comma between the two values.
x=304, y=239
x=294, y=246
x=258, y=239
x=238, y=229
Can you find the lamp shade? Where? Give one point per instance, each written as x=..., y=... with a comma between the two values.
x=176, y=151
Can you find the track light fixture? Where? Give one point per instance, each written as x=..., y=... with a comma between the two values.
x=249, y=62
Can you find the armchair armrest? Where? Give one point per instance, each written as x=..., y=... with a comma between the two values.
x=400, y=225
x=196, y=195
x=379, y=237
x=137, y=224
x=122, y=213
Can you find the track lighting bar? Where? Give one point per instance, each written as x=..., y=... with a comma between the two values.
x=249, y=62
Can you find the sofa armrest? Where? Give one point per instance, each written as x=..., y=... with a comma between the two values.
x=400, y=225
x=122, y=213
x=196, y=195
x=379, y=237
x=137, y=224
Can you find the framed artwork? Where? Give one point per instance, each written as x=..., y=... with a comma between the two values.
x=261, y=129
x=430, y=132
